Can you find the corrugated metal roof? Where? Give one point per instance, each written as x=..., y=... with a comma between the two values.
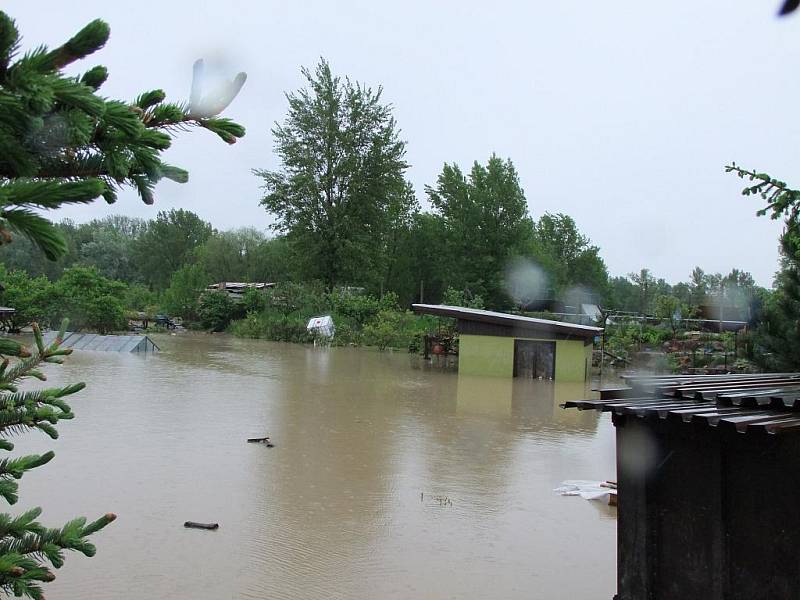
x=767, y=403
x=103, y=343
x=498, y=318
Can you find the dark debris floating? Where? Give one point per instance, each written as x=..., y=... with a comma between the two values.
x=760, y=403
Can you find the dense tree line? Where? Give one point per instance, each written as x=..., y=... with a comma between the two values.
x=345, y=217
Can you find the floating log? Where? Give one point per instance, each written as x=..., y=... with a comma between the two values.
x=194, y=525
x=264, y=440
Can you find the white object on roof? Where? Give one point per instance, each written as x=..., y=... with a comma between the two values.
x=321, y=326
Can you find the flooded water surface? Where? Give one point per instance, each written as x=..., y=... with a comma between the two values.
x=386, y=481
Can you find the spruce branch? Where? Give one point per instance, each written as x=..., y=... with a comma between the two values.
x=88, y=40
x=95, y=77
x=780, y=198
x=36, y=228
x=26, y=546
x=9, y=42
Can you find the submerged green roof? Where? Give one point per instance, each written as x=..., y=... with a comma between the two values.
x=103, y=343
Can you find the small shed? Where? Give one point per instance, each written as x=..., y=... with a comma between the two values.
x=103, y=343
x=707, y=486
x=503, y=345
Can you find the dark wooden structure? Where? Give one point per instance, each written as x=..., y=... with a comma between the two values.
x=7, y=319
x=708, y=473
x=534, y=359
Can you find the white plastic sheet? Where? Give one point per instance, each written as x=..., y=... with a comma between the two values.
x=588, y=490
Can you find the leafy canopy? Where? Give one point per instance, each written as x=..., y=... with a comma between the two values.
x=340, y=189
x=485, y=218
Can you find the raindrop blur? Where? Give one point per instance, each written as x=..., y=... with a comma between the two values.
x=640, y=454
x=574, y=297
x=525, y=282
x=212, y=91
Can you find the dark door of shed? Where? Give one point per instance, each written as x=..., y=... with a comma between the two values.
x=534, y=360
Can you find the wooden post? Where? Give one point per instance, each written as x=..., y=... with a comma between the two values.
x=602, y=351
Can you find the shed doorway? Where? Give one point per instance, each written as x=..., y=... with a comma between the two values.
x=534, y=359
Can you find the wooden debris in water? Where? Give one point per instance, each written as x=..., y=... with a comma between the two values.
x=264, y=440
x=194, y=525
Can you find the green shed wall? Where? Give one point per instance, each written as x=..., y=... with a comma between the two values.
x=493, y=356
x=488, y=355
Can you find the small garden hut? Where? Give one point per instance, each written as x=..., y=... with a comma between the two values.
x=503, y=345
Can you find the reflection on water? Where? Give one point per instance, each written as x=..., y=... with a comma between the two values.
x=349, y=502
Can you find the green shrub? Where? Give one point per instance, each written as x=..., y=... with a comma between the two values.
x=346, y=334
x=31, y=297
x=274, y=327
x=182, y=297
x=138, y=298
x=296, y=298
x=454, y=297
x=89, y=301
x=253, y=301
x=390, y=328
x=355, y=308
x=216, y=310
x=249, y=327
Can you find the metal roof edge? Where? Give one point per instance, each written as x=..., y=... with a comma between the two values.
x=489, y=316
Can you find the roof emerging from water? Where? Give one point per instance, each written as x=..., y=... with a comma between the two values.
x=103, y=343
x=515, y=322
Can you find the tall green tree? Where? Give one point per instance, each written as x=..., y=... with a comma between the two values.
x=779, y=332
x=169, y=243
x=31, y=297
x=419, y=271
x=233, y=255
x=89, y=300
x=485, y=217
x=109, y=246
x=340, y=189
x=24, y=255
x=62, y=143
x=568, y=256
x=645, y=284
x=182, y=297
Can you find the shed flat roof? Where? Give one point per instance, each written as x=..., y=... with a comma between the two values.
x=498, y=318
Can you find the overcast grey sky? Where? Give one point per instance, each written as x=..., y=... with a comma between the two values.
x=621, y=114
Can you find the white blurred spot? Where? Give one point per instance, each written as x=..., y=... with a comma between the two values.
x=640, y=452
x=525, y=281
x=574, y=297
x=212, y=91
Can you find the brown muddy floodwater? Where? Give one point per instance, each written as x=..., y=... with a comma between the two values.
x=386, y=481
